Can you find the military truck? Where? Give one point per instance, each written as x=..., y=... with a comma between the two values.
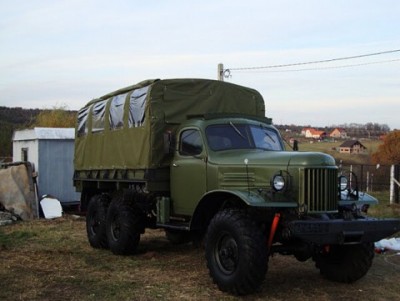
x=199, y=159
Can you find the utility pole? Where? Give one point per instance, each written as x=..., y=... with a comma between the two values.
x=221, y=72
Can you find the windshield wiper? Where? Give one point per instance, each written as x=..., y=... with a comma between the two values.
x=237, y=130
x=267, y=134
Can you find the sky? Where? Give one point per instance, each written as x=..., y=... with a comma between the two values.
x=65, y=53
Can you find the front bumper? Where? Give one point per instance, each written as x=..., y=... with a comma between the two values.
x=339, y=231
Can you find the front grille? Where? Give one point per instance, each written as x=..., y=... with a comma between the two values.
x=320, y=189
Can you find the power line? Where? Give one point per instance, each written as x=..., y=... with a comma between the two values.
x=319, y=68
x=314, y=62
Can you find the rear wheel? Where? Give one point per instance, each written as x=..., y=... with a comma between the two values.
x=96, y=221
x=123, y=227
x=345, y=263
x=236, y=252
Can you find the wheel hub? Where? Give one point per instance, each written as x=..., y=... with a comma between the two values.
x=227, y=254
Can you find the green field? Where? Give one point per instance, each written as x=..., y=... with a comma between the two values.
x=332, y=148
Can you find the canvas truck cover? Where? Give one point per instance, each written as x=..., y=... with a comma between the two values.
x=126, y=129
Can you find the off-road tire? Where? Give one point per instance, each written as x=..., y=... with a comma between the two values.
x=96, y=221
x=236, y=252
x=345, y=263
x=123, y=227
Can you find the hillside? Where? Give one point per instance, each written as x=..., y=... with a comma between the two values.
x=12, y=119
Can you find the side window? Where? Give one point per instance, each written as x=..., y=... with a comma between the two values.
x=82, y=121
x=117, y=111
x=98, y=112
x=190, y=143
x=137, y=103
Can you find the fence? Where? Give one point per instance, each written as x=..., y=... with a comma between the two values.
x=372, y=178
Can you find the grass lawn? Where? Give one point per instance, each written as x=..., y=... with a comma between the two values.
x=52, y=260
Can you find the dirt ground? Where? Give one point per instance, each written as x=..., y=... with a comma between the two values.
x=52, y=260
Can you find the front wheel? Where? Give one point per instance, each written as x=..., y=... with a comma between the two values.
x=345, y=263
x=236, y=252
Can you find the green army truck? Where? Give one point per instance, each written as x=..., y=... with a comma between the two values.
x=199, y=159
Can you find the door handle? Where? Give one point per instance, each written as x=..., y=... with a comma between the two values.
x=175, y=165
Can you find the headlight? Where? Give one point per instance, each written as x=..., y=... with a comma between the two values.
x=278, y=182
x=343, y=183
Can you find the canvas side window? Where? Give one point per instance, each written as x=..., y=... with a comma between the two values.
x=82, y=121
x=98, y=112
x=137, y=103
x=117, y=111
x=191, y=143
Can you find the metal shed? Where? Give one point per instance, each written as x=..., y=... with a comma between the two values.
x=51, y=150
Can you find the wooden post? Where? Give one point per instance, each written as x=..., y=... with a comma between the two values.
x=397, y=186
x=394, y=184
x=391, y=194
x=221, y=72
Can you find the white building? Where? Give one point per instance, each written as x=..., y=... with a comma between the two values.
x=51, y=150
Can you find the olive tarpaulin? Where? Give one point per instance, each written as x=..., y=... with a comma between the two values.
x=125, y=129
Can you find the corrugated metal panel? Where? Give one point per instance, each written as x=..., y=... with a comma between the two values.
x=56, y=170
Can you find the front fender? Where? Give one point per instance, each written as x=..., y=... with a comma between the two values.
x=363, y=199
x=213, y=201
x=256, y=200
x=250, y=198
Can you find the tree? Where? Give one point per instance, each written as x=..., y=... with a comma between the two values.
x=6, y=131
x=389, y=151
x=58, y=117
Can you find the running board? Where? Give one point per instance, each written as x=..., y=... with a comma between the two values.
x=174, y=226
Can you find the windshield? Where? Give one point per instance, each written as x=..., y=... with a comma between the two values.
x=242, y=136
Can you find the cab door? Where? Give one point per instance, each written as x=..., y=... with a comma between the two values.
x=188, y=172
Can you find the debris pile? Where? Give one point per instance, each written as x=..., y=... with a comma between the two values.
x=7, y=218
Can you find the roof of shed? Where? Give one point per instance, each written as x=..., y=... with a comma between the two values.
x=44, y=134
x=351, y=143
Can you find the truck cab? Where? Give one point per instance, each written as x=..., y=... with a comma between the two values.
x=210, y=146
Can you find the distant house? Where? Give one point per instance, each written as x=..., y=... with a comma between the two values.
x=304, y=131
x=338, y=133
x=313, y=133
x=352, y=147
